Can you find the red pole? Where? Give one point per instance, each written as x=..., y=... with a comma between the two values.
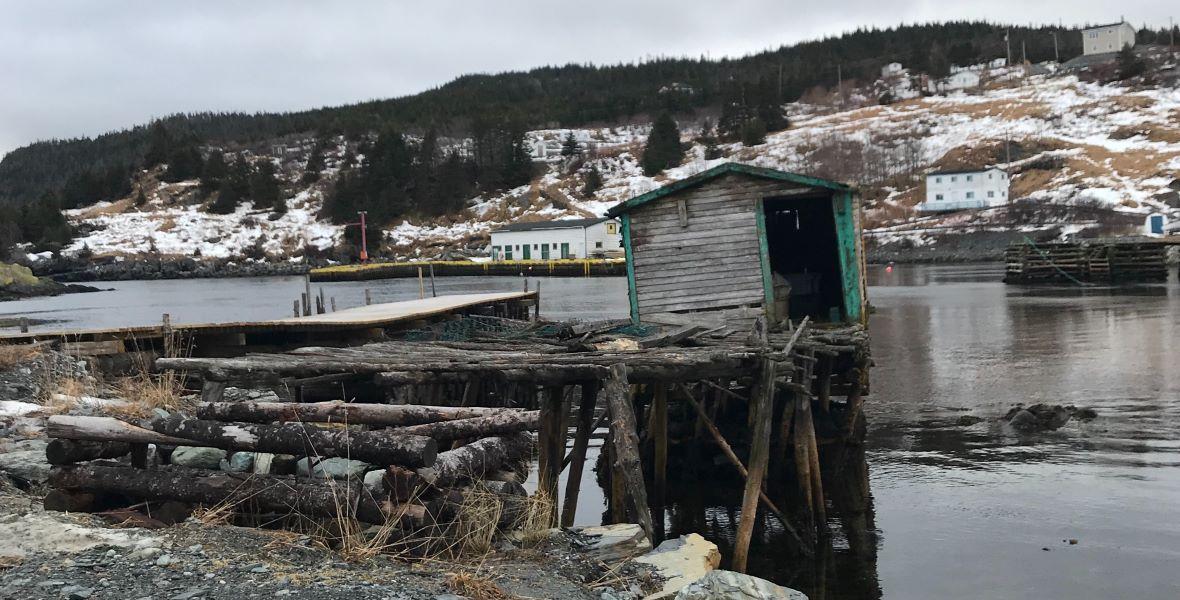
x=364, y=240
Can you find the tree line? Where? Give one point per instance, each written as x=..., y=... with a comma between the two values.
x=569, y=95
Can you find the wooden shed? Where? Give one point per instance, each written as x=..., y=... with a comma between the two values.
x=745, y=240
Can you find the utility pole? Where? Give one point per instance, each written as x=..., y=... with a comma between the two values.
x=840, y=84
x=1008, y=43
x=1023, y=52
x=364, y=236
x=1056, y=56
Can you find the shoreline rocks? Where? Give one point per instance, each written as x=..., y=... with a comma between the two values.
x=1045, y=417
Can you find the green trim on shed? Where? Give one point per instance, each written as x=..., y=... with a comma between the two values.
x=764, y=259
x=849, y=264
x=719, y=170
x=632, y=293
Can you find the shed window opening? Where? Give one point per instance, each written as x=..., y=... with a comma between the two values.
x=804, y=248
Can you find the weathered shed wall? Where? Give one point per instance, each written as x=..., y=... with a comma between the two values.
x=713, y=259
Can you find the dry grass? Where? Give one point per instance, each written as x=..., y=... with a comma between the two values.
x=476, y=587
x=537, y=519
x=12, y=355
x=146, y=391
x=477, y=520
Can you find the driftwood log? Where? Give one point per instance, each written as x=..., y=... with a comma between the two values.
x=377, y=447
x=61, y=451
x=107, y=429
x=473, y=461
x=338, y=412
x=319, y=499
x=503, y=422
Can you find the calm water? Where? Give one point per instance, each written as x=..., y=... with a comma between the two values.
x=958, y=511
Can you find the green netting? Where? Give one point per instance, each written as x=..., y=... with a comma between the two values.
x=635, y=330
x=475, y=326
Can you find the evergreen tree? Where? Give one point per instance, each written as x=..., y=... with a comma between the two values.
x=593, y=182
x=315, y=163
x=159, y=145
x=570, y=146
x=753, y=132
x=663, y=148
x=140, y=199
x=213, y=173
x=234, y=188
x=184, y=163
x=264, y=186
x=1130, y=65
x=43, y=224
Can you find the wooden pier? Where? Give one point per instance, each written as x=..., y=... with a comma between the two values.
x=349, y=326
x=593, y=267
x=1113, y=261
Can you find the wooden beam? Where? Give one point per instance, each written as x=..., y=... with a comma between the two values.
x=626, y=446
x=762, y=405
x=577, y=456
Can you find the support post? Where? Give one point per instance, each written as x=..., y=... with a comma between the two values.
x=333, y=301
x=762, y=405
x=552, y=443
x=626, y=445
x=537, y=306
x=433, y=291
x=421, y=285
x=307, y=295
x=573, y=481
x=659, y=435
x=24, y=324
x=296, y=308
x=368, y=297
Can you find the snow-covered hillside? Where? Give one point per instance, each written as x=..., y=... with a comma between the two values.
x=1066, y=142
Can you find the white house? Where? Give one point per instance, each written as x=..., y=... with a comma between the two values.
x=1107, y=38
x=551, y=240
x=958, y=80
x=891, y=69
x=959, y=190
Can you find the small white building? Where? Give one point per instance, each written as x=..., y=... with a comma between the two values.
x=961, y=190
x=890, y=70
x=553, y=240
x=1104, y=39
x=962, y=79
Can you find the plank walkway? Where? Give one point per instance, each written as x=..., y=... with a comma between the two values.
x=374, y=316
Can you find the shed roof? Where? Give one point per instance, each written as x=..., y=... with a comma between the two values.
x=561, y=224
x=719, y=170
x=1105, y=26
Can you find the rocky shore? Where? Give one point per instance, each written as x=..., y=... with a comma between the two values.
x=18, y=282
x=75, y=270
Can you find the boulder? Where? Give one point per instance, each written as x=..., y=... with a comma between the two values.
x=333, y=468
x=239, y=462
x=197, y=458
x=728, y=585
x=25, y=461
x=1023, y=420
x=610, y=543
x=681, y=561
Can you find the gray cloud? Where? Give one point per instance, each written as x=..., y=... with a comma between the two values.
x=82, y=67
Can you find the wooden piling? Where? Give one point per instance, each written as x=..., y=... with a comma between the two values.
x=307, y=295
x=433, y=292
x=421, y=285
x=659, y=436
x=577, y=458
x=24, y=324
x=626, y=446
x=761, y=405
x=551, y=443
x=333, y=300
x=296, y=309
x=368, y=297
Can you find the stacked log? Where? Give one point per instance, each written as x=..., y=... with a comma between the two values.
x=103, y=462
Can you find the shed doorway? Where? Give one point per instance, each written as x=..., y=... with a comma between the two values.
x=804, y=252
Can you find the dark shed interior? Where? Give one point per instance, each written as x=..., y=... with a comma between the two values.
x=803, y=247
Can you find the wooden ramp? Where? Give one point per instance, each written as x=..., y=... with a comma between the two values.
x=343, y=327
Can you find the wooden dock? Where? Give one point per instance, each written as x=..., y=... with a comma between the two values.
x=593, y=267
x=339, y=328
x=1131, y=260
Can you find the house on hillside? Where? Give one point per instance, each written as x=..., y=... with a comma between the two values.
x=962, y=190
x=737, y=241
x=1105, y=39
x=552, y=240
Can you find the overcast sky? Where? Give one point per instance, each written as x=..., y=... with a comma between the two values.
x=76, y=67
